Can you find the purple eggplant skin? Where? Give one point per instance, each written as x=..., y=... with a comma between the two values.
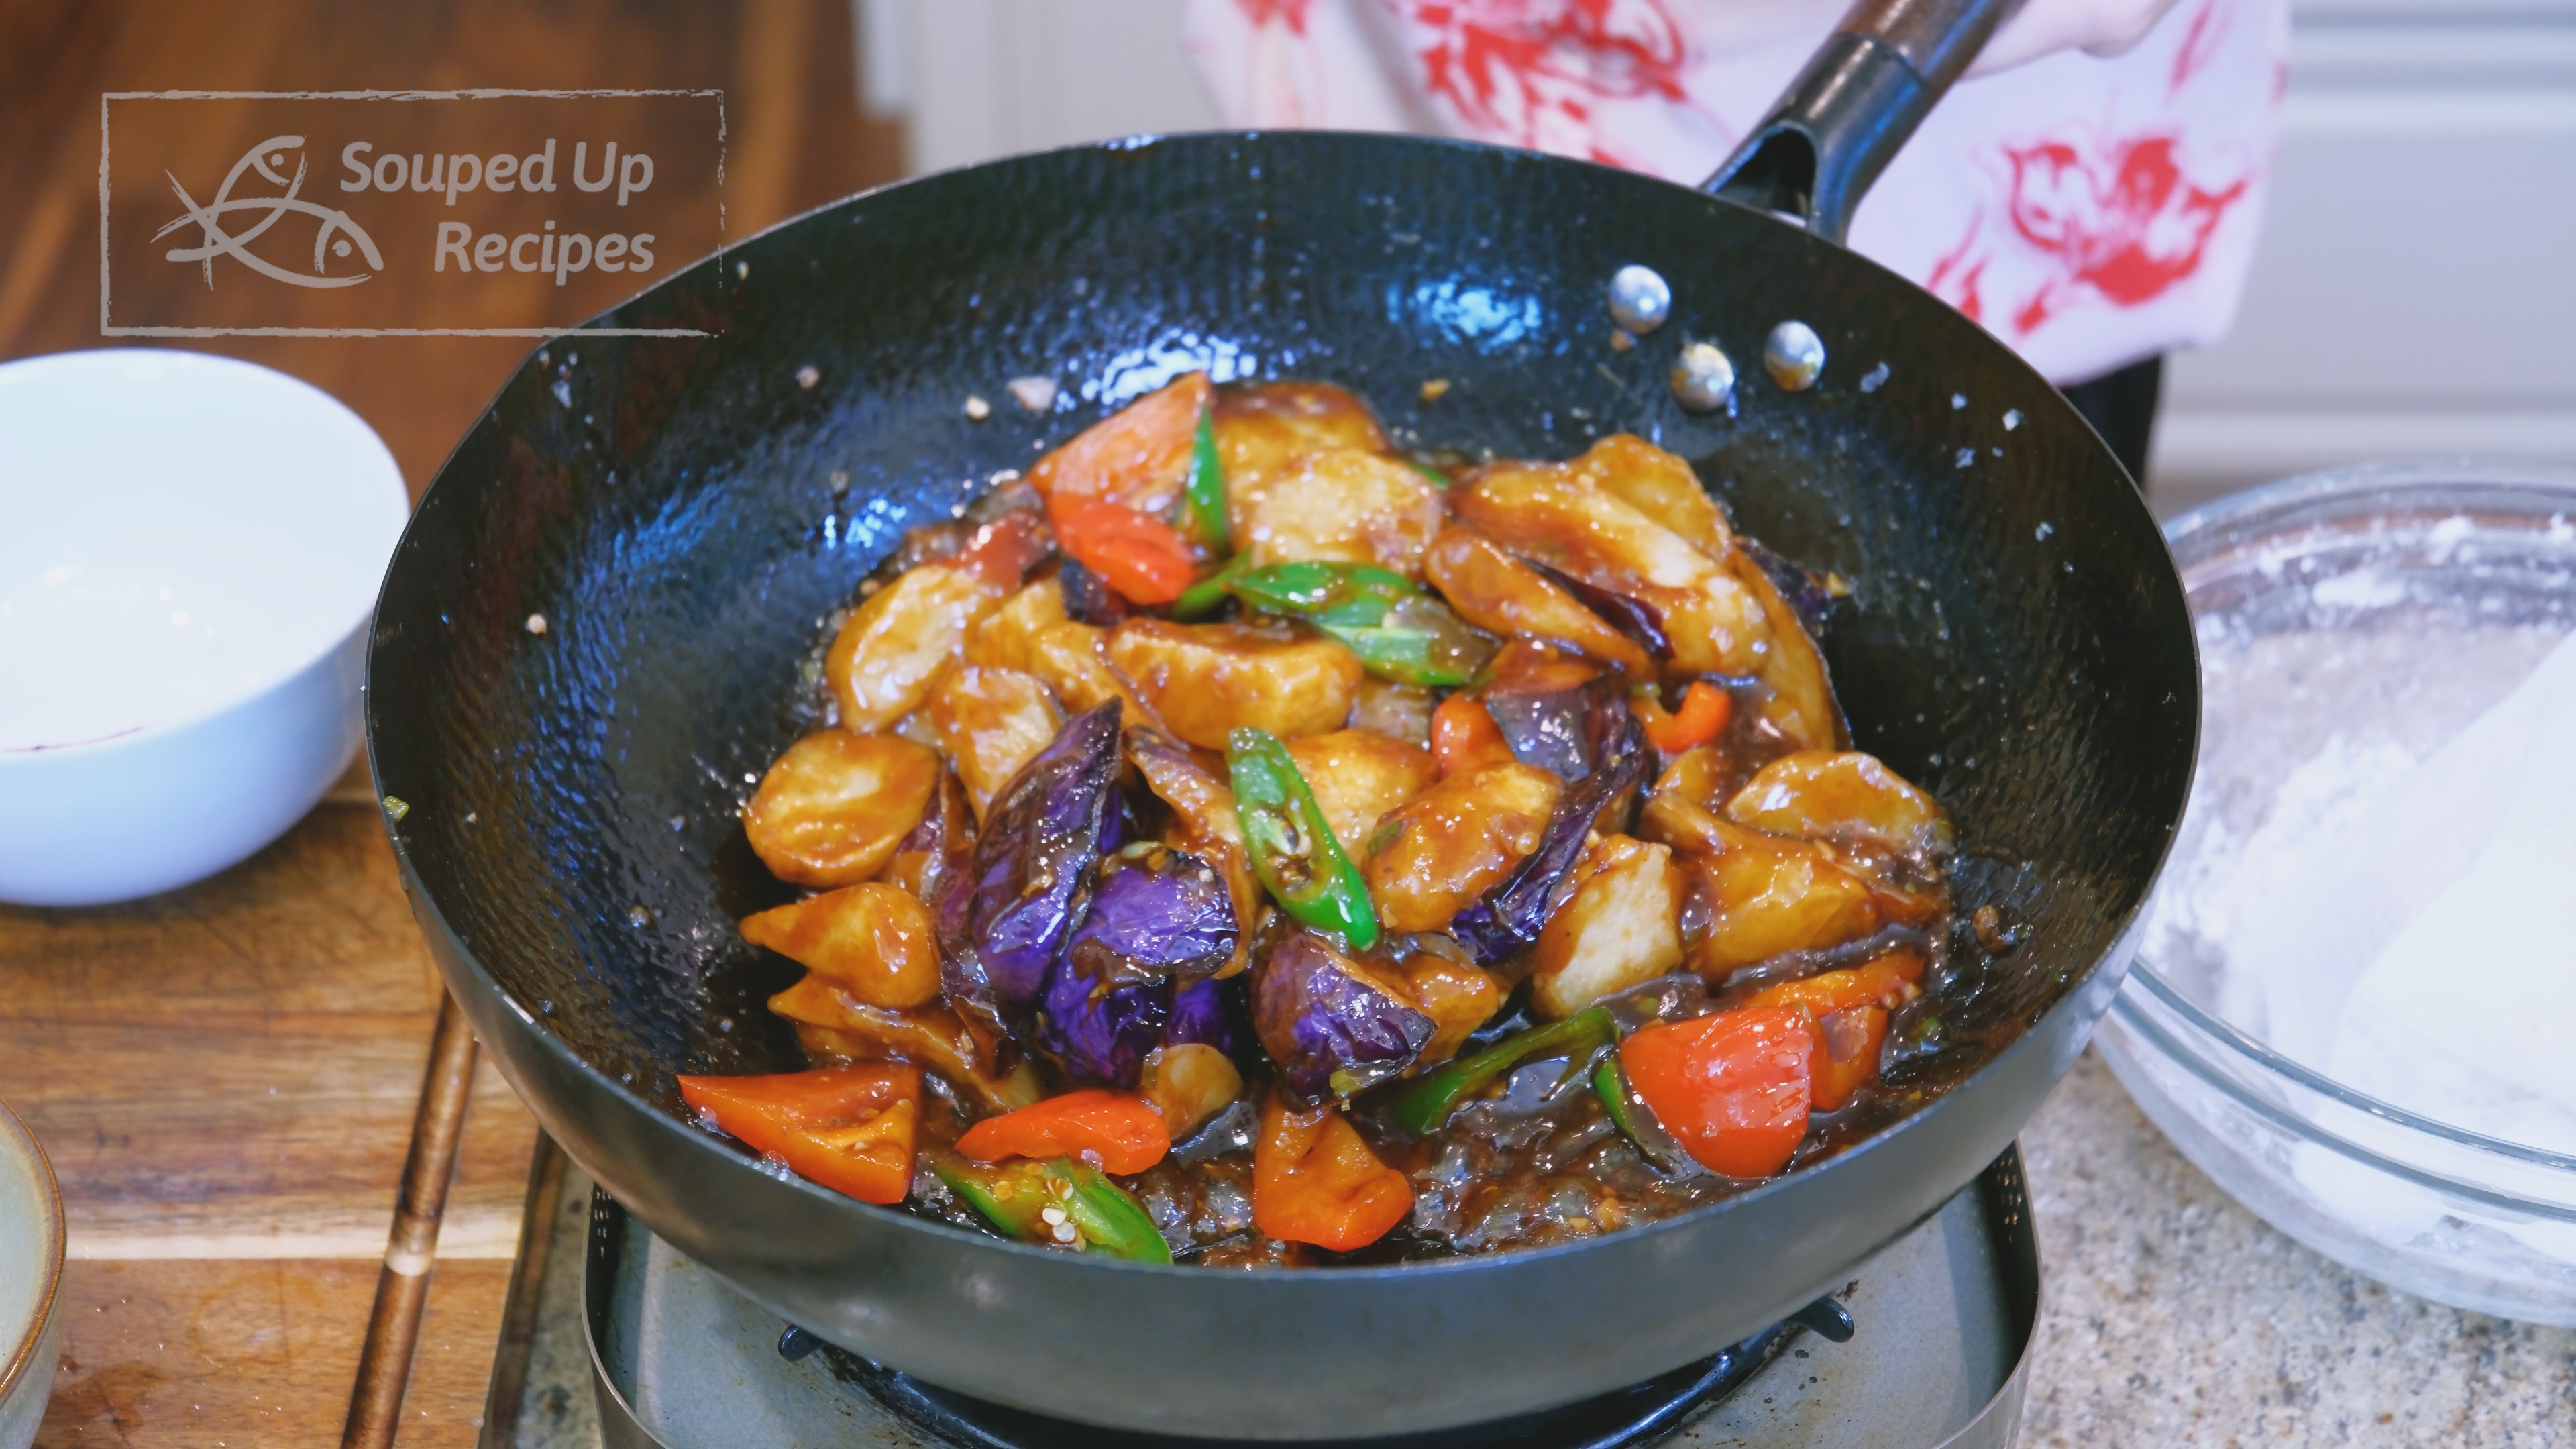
x=1004, y=925
x=1806, y=592
x=1158, y=918
x=1210, y=1012
x=1635, y=618
x=1556, y=730
x=1330, y=1025
x=1088, y=598
x=944, y=842
x=1507, y=920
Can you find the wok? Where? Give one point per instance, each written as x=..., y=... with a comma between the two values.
x=683, y=512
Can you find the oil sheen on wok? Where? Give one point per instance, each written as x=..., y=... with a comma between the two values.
x=1239, y=843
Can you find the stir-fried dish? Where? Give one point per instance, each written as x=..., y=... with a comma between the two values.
x=1237, y=842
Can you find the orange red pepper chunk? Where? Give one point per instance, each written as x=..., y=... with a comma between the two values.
x=1314, y=1180
x=1119, y=1132
x=848, y=1128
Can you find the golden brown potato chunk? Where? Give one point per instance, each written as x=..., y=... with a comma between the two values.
x=1554, y=514
x=1683, y=810
x=1189, y=1084
x=992, y=721
x=1765, y=895
x=1344, y=506
x=833, y=808
x=1138, y=457
x=1659, y=485
x=1397, y=711
x=1207, y=680
x=1801, y=706
x=1262, y=429
x=1456, y=996
x=1824, y=795
x=871, y=940
x=881, y=663
x=1007, y=638
x=1457, y=840
x=1620, y=928
x=1501, y=595
x=836, y=1027
x=1358, y=776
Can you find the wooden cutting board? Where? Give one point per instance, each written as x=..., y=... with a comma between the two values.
x=225, y=1079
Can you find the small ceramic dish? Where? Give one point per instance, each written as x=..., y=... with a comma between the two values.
x=31, y=1275
x=189, y=553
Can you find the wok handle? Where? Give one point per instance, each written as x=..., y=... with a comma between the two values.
x=1859, y=98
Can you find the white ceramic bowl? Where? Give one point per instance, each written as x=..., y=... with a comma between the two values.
x=2342, y=616
x=31, y=1275
x=190, y=549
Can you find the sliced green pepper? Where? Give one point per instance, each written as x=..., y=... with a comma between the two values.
x=1061, y=1203
x=1399, y=632
x=1425, y=1107
x=1203, y=500
x=1291, y=846
x=1610, y=1084
x=1201, y=599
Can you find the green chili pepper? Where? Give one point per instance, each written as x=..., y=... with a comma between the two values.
x=1399, y=632
x=1291, y=846
x=1610, y=1084
x=1204, y=498
x=1090, y=1212
x=1425, y=1107
x=1201, y=599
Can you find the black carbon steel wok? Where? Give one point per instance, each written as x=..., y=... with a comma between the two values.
x=683, y=512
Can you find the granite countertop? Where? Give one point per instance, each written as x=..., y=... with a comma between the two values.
x=2172, y=1317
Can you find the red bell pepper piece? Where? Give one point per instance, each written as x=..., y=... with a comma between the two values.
x=1314, y=1180
x=1849, y=1009
x=849, y=1128
x=1139, y=457
x=1118, y=1132
x=1464, y=737
x=1143, y=558
x=1731, y=1088
x=1702, y=717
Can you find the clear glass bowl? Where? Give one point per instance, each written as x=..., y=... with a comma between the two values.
x=2376, y=608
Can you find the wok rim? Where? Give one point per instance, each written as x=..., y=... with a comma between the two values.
x=2120, y=930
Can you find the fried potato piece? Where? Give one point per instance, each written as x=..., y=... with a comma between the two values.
x=1188, y=1085
x=1849, y=796
x=1397, y=711
x=991, y=722
x=1344, y=506
x=1358, y=776
x=1620, y=928
x=1684, y=808
x=1555, y=514
x=1801, y=707
x=1262, y=429
x=871, y=940
x=1659, y=485
x=1031, y=633
x=1456, y=996
x=1206, y=680
x=833, y=808
x=1498, y=593
x=1764, y=896
x=1457, y=840
x=1138, y=457
x=881, y=664
x=836, y=1027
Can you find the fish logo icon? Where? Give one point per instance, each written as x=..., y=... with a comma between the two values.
x=337, y=236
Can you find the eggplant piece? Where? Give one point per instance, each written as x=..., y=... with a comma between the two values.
x=1158, y=919
x=1088, y=597
x=1636, y=618
x=1003, y=923
x=1209, y=1012
x=1508, y=919
x=1547, y=713
x=1334, y=1026
x=941, y=849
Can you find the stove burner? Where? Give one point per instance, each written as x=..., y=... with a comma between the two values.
x=1638, y=1415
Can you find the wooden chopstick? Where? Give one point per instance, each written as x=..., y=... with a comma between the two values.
x=509, y=1389
x=402, y=1286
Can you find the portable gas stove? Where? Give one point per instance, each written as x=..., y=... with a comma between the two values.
x=1925, y=1346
